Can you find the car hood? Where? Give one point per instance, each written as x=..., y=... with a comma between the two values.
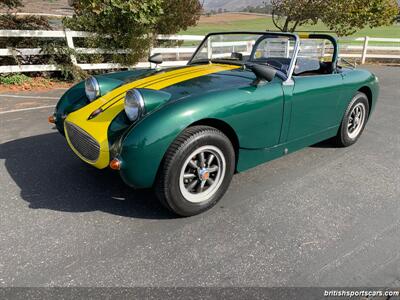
x=224, y=80
x=109, y=106
x=113, y=101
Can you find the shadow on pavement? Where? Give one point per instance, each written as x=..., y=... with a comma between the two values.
x=50, y=176
x=325, y=144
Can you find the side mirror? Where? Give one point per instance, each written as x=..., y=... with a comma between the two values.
x=263, y=73
x=156, y=59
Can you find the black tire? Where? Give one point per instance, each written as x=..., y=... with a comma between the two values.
x=168, y=185
x=344, y=138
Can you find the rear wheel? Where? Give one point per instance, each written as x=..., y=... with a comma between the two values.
x=196, y=171
x=354, y=121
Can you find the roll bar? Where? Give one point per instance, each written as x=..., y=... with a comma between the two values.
x=296, y=38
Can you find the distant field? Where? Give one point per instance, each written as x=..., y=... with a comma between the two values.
x=233, y=22
x=57, y=7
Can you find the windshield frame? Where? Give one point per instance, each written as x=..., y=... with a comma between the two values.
x=290, y=35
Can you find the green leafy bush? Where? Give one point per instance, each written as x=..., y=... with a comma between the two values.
x=130, y=24
x=14, y=79
x=54, y=51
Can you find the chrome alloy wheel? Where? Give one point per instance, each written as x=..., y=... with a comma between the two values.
x=202, y=174
x=356, y=120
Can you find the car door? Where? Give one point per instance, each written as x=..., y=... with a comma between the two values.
x=315, y=100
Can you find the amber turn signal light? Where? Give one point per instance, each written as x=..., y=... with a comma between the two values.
x=52, y=119
x=115, y=164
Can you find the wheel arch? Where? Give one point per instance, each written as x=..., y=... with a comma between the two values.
x=219, y=124
x=368, y=92
x=225, y=128
x=144, y=147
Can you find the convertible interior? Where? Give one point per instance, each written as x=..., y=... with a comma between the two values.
x=304, y=66
x=317, y=53
x=316, y=62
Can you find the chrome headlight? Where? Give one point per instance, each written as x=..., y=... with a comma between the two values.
x=134, y=105
x=92, y=88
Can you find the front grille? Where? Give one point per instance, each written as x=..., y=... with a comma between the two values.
x=88, y=147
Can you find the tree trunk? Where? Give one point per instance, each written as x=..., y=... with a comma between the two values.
x=286, y=26
x=275, y=21
x=293, y=29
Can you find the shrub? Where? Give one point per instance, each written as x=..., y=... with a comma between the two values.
x=53, y=51
x=14, y=79
x=130, y=24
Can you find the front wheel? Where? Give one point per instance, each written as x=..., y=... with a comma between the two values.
x=196, y=171
x=354, y=121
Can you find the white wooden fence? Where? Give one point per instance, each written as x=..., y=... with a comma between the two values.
x=386, y=48
x=69, y=37
x=359, y=48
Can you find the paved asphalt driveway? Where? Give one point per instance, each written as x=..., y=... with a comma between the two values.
x=319, y=217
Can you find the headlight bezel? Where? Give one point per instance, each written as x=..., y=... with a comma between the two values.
x=92, y=88
x=134, y=100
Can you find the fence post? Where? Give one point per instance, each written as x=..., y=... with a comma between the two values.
x=178, y=54
x=70, y=44
x=209, y=49
x=287, y=49
x=323, y=49
x=365, y=48
x=151, y=52
x=249, y=47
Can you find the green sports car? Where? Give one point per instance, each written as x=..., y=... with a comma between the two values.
x=244, y=98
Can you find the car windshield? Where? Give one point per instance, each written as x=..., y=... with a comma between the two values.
x=272, y=49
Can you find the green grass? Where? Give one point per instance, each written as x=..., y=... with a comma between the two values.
x=262, y=24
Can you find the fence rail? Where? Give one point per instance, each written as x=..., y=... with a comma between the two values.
x=358, y=48
x=381, y=49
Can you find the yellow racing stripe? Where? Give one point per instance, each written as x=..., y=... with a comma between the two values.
x=148, y=81
x=114, y=102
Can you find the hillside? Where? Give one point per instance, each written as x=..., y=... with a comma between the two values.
x=230, y=5
x=252, y=22
x=57, y=7
x=235, y=5
x=61, y=6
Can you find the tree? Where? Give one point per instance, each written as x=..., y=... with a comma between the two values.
x=119, y=24
x=130, y=24
x=347, y=16
x=178, y=15
x=287, y=15
x=342, y=16
x=10, y=4
x=265, y=8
